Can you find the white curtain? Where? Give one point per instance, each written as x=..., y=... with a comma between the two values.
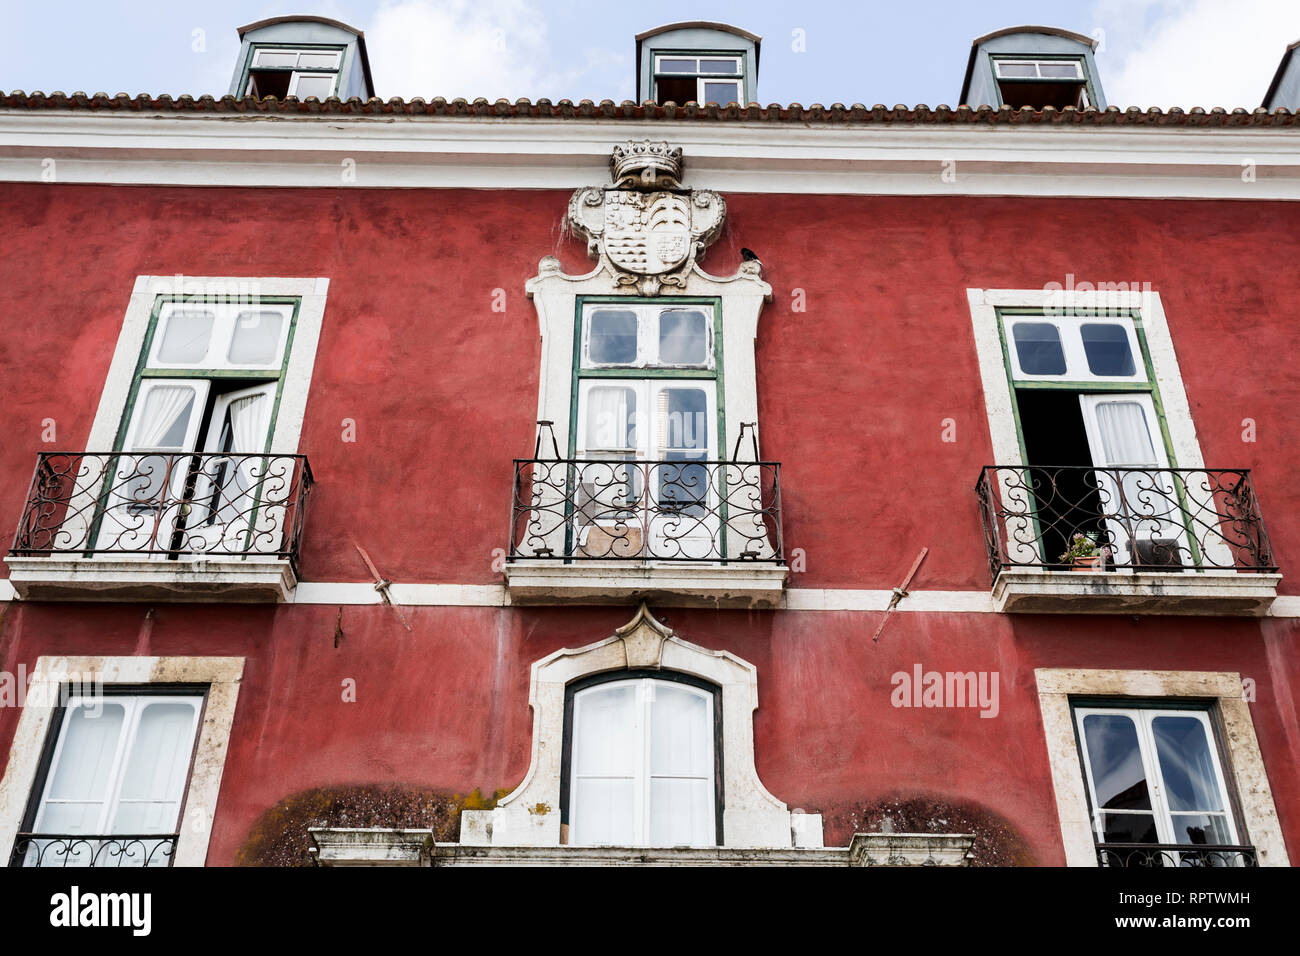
x=163, y=409
x=610, y=411
x=249, y=419
x=1125, y=435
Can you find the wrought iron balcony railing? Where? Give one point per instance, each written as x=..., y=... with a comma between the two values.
x=79, y=849
x=633, y=510
x=1153, y=519
x=1174, y=855
x=165, y=505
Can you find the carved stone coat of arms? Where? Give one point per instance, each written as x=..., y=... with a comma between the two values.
x=646, y=228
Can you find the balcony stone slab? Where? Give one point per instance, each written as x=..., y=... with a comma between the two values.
x=1246, y=594
x=733, y=585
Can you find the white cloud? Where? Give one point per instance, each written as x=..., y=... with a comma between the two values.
x=1193, y=52
x=471, y=48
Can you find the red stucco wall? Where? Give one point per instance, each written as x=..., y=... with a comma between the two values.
x=852, y=396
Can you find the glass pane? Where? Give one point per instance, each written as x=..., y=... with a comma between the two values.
x=1038, y=346
x=727, y=65
x=1202, y=829
x=684, y=418
x=683, y=338
x=677, y=66
x=319, y=60
x=611, y=418
x=1111, y=743
x=1017, y=69
x=604, y=741
x=1186, y=764
x=165, y=417
x=87, y=756
x=1107, y=349
x=319, y=86
x=1058, y=70
x=153, y=781
x=605, y=813
x=1128, y=828
x=681, y=740
x=276, y=58
x=681, y=813
x=1126, y=437
x=186, y=335
x=612, y=337
x=257, y=338
x=721, y=91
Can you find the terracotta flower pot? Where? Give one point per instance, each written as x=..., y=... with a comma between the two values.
x=1090, y=563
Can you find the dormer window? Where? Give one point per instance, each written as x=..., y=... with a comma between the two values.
x=1039, y=83
x=281, y=72
x=685, y=78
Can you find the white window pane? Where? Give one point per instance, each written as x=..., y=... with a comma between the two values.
x=681, y=740
x=1038, y=347
x=1107, y=349
x=1125, y=436
x=186, y=336
x=721, y=91
x=316, y=61
x=605, y=812
x=605, y=742
x=612, y=338
x=319, y=85
x=276, y=58
x=85, y=762
x=1118, y=777
x=683, y=337
x=611, y=418
x=256, y=339
x=165, y=418
x=1060, y=70
x=1186, y=764
x=159, y=759
x=681, y=813
x=1017, y=69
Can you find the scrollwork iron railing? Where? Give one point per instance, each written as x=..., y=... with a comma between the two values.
x=634, y=510
x=85, y=850
x=1174, y=855
x=1154, y=519
x=162, y=506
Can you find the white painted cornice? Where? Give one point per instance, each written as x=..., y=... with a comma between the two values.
x=429, y=152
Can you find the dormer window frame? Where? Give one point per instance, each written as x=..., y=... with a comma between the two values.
x=702, y=78
x=1084, y=79
x=296, y=72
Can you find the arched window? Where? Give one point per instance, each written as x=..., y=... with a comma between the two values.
x=642, y=761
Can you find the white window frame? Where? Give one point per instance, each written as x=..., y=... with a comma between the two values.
x=298, y=64
x=221, y=675
x=296, y=379
x=647, y=350
x=1249, y=778
x=1069, y=328
x=643, y=776
x=123, y=747
x=226, y=319
x=1157, y=791
x=736, y=78
x=299, y=75
x=648, y=426
x=1037, y=64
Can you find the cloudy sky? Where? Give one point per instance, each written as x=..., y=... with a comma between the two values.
x=1152, y=53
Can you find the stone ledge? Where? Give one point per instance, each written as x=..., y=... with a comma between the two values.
x=382, y=847
x=1124, y=592
x=255, y=580
x=739, y=584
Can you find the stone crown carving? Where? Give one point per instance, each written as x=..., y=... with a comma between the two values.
x=646, y=229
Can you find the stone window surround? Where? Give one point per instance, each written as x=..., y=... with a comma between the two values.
x=1246, y=765
x=222, y=675
x=751, y=817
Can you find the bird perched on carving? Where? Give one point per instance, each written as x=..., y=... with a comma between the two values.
x=749, y=255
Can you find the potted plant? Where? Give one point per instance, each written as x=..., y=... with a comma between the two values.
x=1083, y=553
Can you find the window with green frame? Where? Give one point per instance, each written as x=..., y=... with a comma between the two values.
x=1085, y=397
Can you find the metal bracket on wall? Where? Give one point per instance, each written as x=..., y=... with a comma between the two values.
x=382, y=584
x=900, y=592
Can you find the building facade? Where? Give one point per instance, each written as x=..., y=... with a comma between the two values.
x=427, y=482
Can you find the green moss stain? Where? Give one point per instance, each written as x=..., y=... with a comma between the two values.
x=279, y=836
